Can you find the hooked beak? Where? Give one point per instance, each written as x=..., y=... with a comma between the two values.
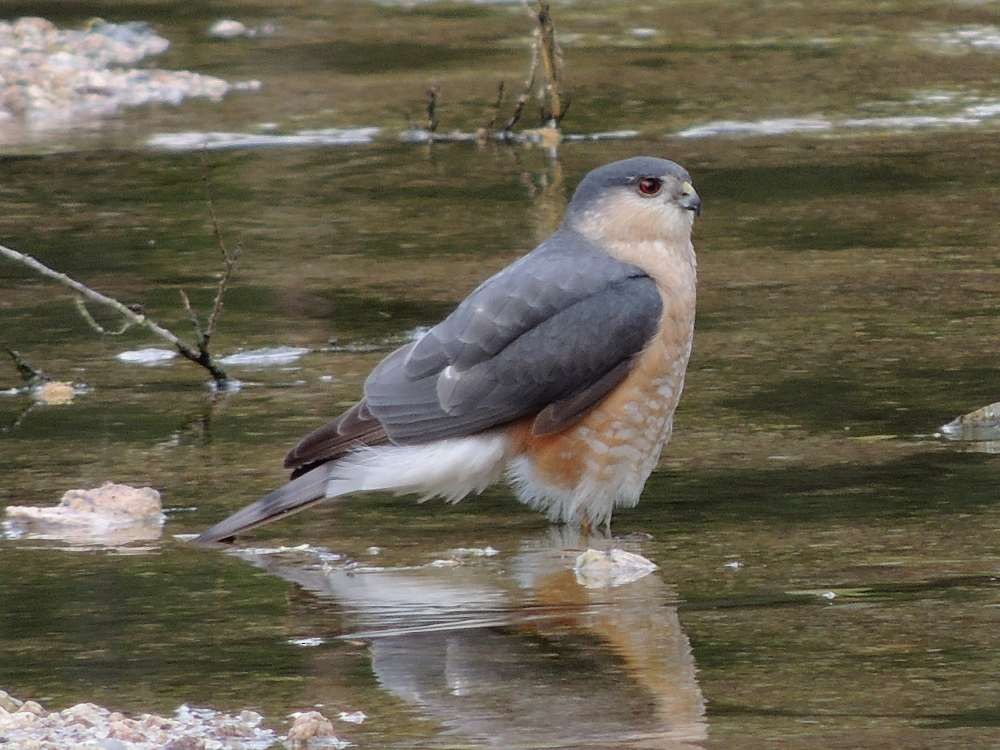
x=689, y=199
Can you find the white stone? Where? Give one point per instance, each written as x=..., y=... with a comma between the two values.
x=54, y=393
x=227, y=28
x=615, y=567
x=308, y=725
x=109, y=514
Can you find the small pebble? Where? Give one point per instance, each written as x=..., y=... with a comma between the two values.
x=309, y=724
x=614, y=567
x=54, y=393
x=227, y=28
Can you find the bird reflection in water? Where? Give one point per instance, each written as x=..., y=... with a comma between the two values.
x=513, y=652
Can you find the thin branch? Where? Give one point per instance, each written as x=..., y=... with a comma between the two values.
x=551, y=62
x=432, y=100
x=496, y=108
x=207, y=187
x=28, y=374
x=229, y=261
x=20, y=417
x=529, y=84
x=566, y=102
x=199, y=334
x=229, y=267
x=81, y=307
x=140, y=319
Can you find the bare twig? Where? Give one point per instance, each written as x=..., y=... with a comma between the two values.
x=140, y=319
x=432, y=100
x=199, y=333
x=20, y=417
x=229, y=261
x=134, y=315
x=529, y=84
x=496, y=108
x=229, y=267
x=28, y=374
x=551, y=63
x=81, y=307
x=207, y=187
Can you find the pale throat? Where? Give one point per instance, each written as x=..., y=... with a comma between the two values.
x=647, y=234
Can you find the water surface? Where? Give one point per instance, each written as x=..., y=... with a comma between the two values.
x=827, y=567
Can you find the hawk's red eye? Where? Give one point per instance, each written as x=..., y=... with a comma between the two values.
x=650, y=185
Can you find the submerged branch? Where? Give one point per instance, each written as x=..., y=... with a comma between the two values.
x=134, y=318
x=134, y=315
x=81, y=307
x=495, y=110
x=28, y=374
x=546, y=55
x=432, y=101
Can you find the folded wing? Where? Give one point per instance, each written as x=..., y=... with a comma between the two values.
x=549, y=336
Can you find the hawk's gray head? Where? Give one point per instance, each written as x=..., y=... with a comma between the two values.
x=635, y=200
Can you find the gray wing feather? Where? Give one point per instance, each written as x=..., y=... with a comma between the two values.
x=563, y=270
x=559, y=415
x=573, y=354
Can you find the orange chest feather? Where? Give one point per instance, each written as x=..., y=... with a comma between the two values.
x=624, y=433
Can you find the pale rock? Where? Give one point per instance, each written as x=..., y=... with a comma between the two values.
x=87, y=714
x=30, y=707
x=309, y=724
x=118, y=499
x=19, y=720
x=251, y=718
x=8, y=702
x=186, y=743
x=53, y=78
x=109, y=514
x=227, y=28
x=127, y=730
x=981, y=424
x=54, y=393
x=615, y=567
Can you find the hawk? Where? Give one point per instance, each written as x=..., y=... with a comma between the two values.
x=560, y=373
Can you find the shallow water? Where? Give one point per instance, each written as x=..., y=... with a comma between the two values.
x=828, y=568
